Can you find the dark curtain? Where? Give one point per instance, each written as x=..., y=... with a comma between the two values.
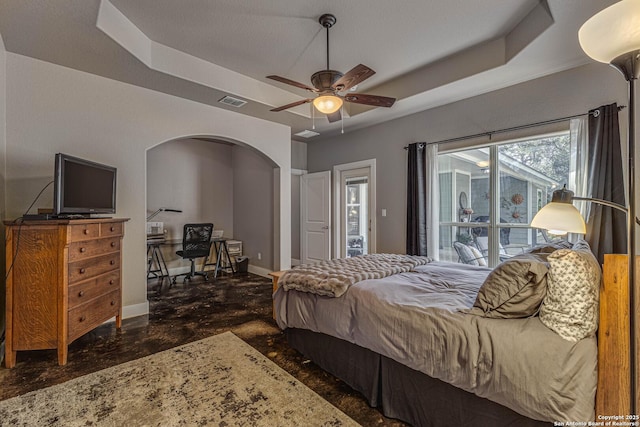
x=416, y=203
x=606, y=227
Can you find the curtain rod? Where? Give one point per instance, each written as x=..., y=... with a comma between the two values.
x=530, y=125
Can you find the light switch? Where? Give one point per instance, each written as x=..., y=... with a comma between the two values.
x=384, y=212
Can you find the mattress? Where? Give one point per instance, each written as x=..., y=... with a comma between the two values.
x=418, y=319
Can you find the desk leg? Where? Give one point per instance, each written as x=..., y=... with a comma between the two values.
x=226, y=252
x=162, y=263
x=149, y=261
x=218, y=258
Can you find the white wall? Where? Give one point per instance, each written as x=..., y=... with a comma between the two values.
x=52, y=108
x=571, y=92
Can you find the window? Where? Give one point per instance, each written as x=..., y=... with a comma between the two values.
x=489, y=195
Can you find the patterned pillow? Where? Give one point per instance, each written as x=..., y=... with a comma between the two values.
x=573, y=289
x=514, y=289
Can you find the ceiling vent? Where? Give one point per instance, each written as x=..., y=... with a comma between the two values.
x=234, y=102
x=307, y=134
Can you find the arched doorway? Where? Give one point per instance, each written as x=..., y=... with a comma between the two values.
x=211, y=180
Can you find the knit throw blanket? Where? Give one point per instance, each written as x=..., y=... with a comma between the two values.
x=334, y=277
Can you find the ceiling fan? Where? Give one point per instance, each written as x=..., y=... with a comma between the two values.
x=328, y=83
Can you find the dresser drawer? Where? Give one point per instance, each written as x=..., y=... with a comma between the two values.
x=89, y=268
x=90, y=289
x=91, y=248
x=87, y=316
x=108, y=229
x=80, y=232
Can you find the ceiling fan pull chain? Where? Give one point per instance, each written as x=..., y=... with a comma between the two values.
x=313, y=118
x=342, y=118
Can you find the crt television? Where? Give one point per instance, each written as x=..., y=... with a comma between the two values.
x=83, y=187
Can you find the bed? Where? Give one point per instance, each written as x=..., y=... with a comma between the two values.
x=414, y=344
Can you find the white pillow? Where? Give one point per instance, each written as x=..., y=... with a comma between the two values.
x=478, y=256
x=570, y=307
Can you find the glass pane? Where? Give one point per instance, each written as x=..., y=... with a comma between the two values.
x=357, y=219
x=464, y=195
x=529, y=172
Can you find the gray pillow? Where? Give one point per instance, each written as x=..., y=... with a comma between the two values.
x=465, y=253
x=549, y=247
x=581, y=245
x=514, y=289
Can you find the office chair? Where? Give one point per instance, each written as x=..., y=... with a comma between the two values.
x=196, y=243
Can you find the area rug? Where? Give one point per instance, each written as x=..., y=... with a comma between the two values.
x=218, y=381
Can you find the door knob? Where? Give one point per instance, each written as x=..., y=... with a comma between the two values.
x=326, y=227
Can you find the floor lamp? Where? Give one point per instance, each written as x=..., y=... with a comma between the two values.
x=612, y=36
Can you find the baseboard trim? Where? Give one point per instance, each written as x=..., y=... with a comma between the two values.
x=260, y=271
x=135, y=310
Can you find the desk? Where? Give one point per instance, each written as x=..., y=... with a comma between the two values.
x=156, y=265
x=220, y=245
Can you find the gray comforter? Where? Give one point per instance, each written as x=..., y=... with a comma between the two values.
x=418, y=319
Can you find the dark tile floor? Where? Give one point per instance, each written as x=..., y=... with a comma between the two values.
x=182, y=314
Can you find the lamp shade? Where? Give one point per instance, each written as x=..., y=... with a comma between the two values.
x=612, y=32
x=559, y=218
x=328, y=104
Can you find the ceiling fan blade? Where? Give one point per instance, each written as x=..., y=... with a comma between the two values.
x=375, y=100
x=293, y=104
x=292, y=83
x=357, y=74
x=334, y=117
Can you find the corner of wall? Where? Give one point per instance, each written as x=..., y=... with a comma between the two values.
x=3, y=156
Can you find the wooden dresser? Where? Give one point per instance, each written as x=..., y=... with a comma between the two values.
x=64, y=281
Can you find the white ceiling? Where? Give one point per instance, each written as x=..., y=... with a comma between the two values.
x=425, y=53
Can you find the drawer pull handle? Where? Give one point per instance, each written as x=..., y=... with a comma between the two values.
x=112, y=262
x=83, y=250
x=113, y=244
x=82, y=271
x=113, y=303
x=112, y=228
x=82, y=319
x=111, y=282
x=81, y=293
x=86, y=231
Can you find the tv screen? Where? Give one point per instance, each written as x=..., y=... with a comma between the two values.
x=83, y=187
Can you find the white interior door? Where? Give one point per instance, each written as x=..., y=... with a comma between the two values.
x=315, y=217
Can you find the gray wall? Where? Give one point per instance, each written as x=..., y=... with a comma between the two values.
x=298, y=161
x=566, y=93
x=298, y=155
x=3, y=152
x=253, y=192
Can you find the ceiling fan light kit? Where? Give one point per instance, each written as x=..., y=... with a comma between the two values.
x=329, y=83
x=327, y=104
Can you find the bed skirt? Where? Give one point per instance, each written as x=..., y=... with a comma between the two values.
x=399, y=391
